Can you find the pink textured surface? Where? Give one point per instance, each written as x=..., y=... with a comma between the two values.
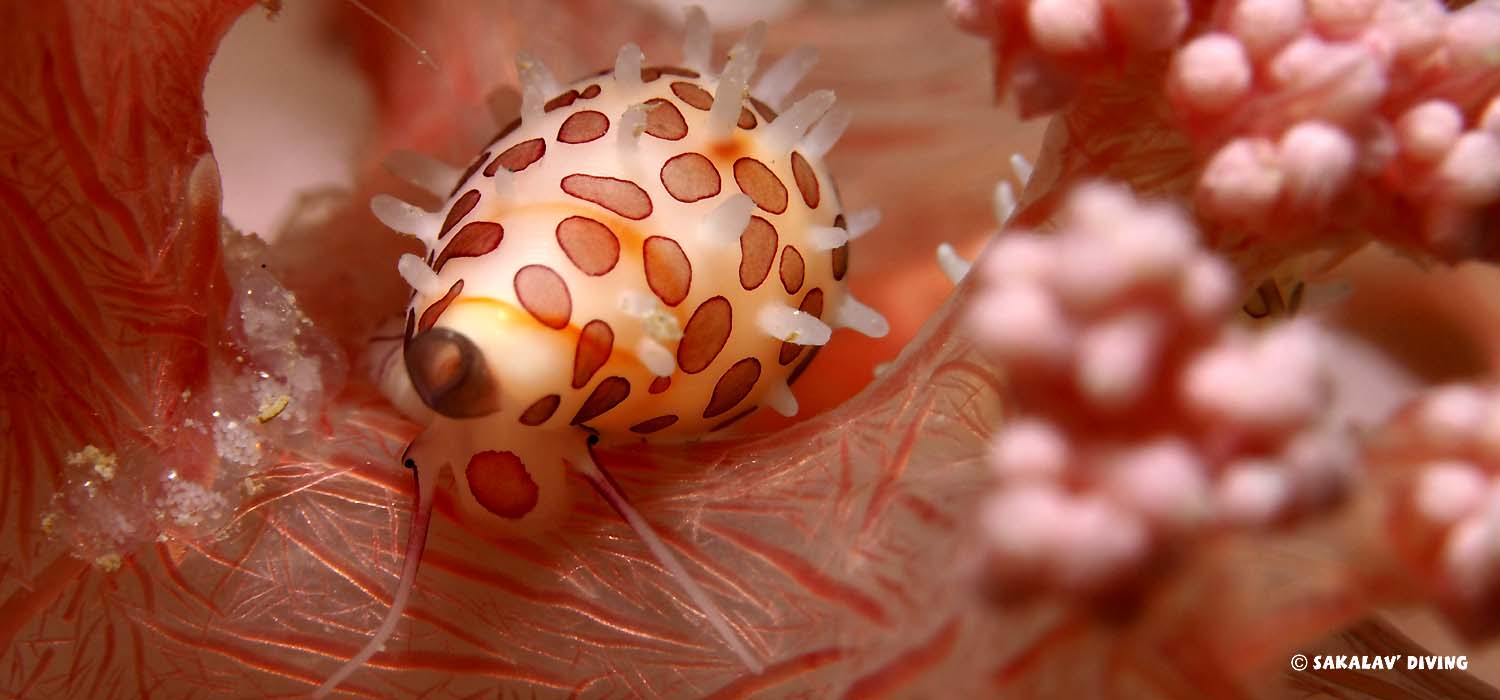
x=1294, y=127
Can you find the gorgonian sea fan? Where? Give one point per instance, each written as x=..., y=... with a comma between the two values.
x=139, y=327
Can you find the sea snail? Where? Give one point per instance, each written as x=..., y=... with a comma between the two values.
x=647, y=254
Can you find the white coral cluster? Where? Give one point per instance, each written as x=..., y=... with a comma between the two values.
x=1147, y=418
x=268, y=394
x=285, y=369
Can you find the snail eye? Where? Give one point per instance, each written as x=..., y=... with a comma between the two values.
x=450, y=374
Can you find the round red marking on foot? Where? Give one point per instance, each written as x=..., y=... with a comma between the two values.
x=765, y=110
x=510, y=129
x=652, y=425
x=500, y=482
x=807, y=180
x=693, y=95
x=594, y=344
x=583, y=127
x=589, y=92
x=538, y=412
x=545, y=295
x=560, y=101
x=469, y=172
x=591, y=246
x=802, y=366
x=622, y=197
x=664, y=120
x=690, y=177
x=841, y=253
x=705, y=334
x=733, y=387
x=762, y=185
x=812, y=305
x=659, y=385
x=517, y=157
x=476, y=238
x=840, y=261
x=650, y=73
x=757, y=252
x=461, y=208
x=732, y=419
x=668, y=272
x=792, y=270
x=607, y=395
x=430, y=316
x=747, y=120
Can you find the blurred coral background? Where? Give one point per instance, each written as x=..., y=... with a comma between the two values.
x=157, y=539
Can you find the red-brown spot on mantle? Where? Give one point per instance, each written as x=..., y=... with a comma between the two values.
x=501, y=484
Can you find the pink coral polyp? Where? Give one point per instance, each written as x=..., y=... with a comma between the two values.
x=1443, y=454
x=1149, y=419
x=1305, y=126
